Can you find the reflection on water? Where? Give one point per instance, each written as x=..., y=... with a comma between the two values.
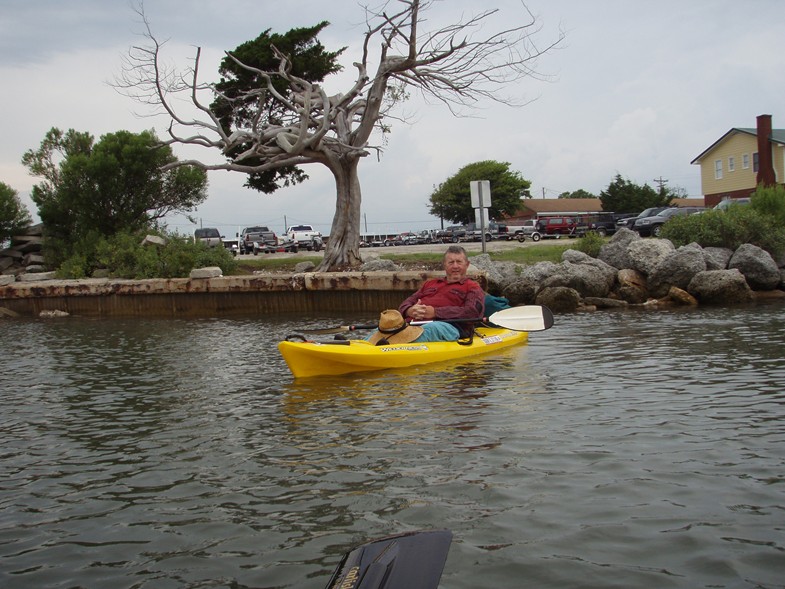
x=616, y=449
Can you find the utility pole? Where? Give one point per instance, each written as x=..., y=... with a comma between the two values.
x=661, y=182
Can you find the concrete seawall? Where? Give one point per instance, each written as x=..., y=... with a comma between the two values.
x=256, y=294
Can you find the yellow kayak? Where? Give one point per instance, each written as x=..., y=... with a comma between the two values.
x=342, y=357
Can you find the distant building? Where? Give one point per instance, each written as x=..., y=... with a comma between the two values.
x=734, y=165
x=532, y=208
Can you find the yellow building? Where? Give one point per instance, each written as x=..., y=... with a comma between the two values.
x=742, y=158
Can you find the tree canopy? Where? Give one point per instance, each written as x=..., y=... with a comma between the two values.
x=237, y=105
x=580, y=193
x=14, y=215
x=117, y=184
x=452, y=199
x=622, y=195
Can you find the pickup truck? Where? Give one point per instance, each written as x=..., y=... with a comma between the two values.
x=255, y=238
x=492, y=231
x=305, y=236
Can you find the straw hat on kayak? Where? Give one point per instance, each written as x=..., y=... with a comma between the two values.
x=394, y=330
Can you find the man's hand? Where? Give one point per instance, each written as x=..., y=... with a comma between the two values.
x=420, y=312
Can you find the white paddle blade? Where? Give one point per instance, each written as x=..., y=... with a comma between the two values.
x=525, y=318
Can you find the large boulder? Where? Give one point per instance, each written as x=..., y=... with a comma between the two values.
x=499, y=274
x=523, y=289
x=559, y=299
x=717, y=258
x=614, y=253
x=632, y=286
x=758, y=267
x=646, y=254
x=720, y=287
x=676, y=269
x=589, y=276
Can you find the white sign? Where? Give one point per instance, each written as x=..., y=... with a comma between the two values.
x=481, y=193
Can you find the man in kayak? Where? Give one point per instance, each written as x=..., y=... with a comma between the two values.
x=441, y=299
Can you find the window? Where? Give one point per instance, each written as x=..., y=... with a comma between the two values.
x=745, y=161
x=755, y=162
x=718, y=169
x=731, y=164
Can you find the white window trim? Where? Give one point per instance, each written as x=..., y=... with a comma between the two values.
x=745, y=161
x=731, y=164
x=718, y=169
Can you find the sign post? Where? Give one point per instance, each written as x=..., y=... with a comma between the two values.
x=481, y=200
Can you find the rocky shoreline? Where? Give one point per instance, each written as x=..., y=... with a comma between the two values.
x=635, y=271
x=629, y=271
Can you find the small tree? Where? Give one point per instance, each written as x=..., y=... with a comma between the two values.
x=119, y=184
x=458, y=65
x=452, y=199
x=623, y=195
x=14, y=215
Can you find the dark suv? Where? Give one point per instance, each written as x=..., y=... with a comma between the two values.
x=652, y=225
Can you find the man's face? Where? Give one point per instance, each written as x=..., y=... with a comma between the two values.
x=455, y=267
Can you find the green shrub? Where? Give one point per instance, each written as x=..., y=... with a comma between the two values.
x=590, y=244
x=123, y=256
x=770, y=202
x=729, y=229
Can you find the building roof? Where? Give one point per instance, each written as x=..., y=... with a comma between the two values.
x=777, y=136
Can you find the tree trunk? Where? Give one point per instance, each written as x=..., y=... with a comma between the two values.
x=343, y=247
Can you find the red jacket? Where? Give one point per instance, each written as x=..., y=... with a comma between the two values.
x=450, y=300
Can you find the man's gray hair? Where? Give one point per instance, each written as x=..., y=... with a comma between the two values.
x=456, y=249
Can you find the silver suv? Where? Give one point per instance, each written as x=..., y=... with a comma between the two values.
x=210, y=236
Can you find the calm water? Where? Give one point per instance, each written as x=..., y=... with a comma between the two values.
x=635, y=450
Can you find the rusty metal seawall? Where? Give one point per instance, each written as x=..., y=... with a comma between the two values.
x=257, y=294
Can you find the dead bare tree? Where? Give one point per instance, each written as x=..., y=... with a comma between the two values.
x=458, y=65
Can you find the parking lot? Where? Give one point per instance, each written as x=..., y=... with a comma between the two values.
x=470, y=246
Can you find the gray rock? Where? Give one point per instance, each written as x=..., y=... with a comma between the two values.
x=379, y=266
x=720, y=287
x=206, y=272
x=645, y=255
x=717, y=258
x=614, y=253
x=676, y=269
x=559, y=299
x=757, y=266
x=303, y=267
x=588, y=279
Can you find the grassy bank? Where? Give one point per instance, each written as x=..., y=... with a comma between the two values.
x=521, y=255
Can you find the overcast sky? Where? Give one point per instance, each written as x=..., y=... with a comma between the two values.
x=638, y=88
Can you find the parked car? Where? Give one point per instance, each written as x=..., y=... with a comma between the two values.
x=210, y=236
x=492, y=231
x=726, y=203
x=629, y=222
x=306, y=237
x=528, y=230
x=652, y=225
x=453, y=233
x=428, y=236
x=254, y=239
x=558, y=226
x=604, y=223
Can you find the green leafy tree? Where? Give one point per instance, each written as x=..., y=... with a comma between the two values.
x=14, y=215
x=117, y=184
x=237, y=106
x=452, y=199
x=580, y=193
x=623, y=195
